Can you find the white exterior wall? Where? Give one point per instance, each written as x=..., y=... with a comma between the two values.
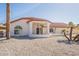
x=33, y=35
x=48, y=27
x=24, y=26
x=27, y=29
x=30, y=29
x=58, y=31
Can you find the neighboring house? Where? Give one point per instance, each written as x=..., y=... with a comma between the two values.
x=30, y=26
x=2, y=30
x=58, y=28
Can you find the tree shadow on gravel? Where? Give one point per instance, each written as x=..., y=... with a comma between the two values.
x=67, y=42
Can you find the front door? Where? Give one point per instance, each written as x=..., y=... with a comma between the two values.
x=39, y=31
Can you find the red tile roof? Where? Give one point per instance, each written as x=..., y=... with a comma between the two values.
x=29, y=19
x=59, y=25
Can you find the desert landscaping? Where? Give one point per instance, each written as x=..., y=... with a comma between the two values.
x=52, y=46
x=38, y=36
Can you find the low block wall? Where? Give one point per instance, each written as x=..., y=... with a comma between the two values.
x=33, y=35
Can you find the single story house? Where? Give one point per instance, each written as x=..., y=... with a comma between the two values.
x=36, y=27
x=30, y=26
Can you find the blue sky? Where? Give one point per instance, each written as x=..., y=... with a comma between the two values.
x=55, y=12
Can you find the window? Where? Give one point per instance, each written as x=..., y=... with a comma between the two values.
x=51, y=30
x=17, y=29
x=16, y=32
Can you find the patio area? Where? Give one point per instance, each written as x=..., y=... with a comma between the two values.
x=52, y=46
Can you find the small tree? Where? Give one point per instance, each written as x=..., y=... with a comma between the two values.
x=18, y=27
x=71, y=26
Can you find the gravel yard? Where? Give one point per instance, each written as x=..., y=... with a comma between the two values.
x=53, y=46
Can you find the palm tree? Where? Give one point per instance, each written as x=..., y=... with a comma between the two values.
x=7, y=21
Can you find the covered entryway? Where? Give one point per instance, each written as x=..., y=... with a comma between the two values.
x=39, y=29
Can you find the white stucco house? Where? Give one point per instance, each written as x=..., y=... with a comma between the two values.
x=35, y=27
x=30, y=26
